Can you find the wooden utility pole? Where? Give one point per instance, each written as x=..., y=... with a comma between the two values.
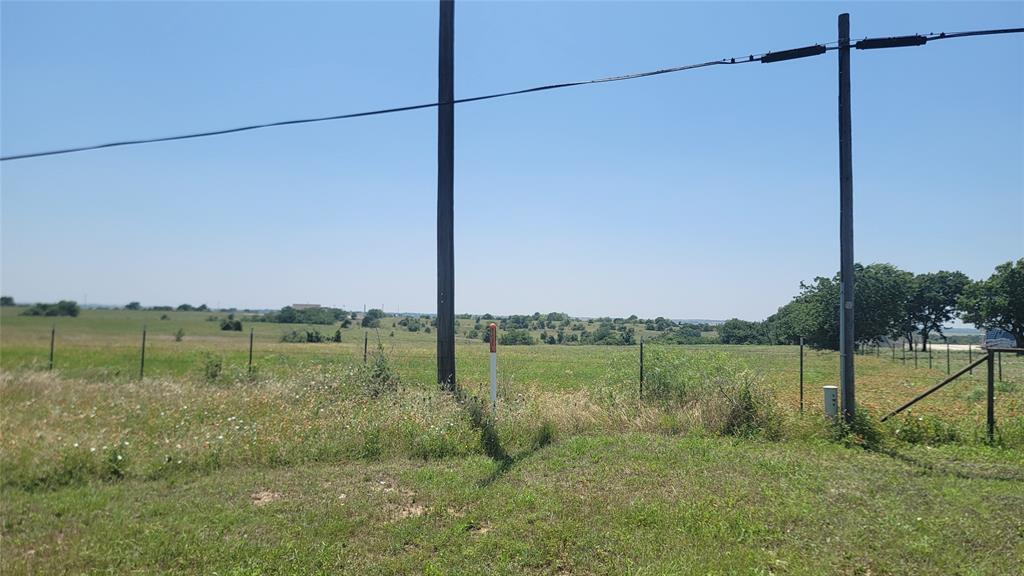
x=846, y=339
x=446, y=197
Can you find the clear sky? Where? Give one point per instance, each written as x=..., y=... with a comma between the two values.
x=705, y=194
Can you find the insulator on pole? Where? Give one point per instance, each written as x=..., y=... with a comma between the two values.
x=893, y=42
x=793, y=54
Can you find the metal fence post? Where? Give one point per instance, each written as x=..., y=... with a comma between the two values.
x=801, y=374
x=366, y=342
x=251, y=331
x=53, y=334
x=641, y=367
x=142, y=358
x=947, y=357
x=991, y=408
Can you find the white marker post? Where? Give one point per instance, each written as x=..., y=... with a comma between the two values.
x=492, y=329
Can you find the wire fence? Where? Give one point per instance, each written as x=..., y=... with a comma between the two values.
x=520, y=368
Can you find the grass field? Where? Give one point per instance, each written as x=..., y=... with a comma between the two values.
x=298, y=469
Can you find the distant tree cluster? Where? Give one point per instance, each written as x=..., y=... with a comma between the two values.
x=687, y=334
x=659, y=324
x=516, y=337
x=62, y=308
x=289, y=315
x=609, y=333
x=413, y=324
x=191, y=308
x=372, y=318
x=894, y=303
x=6, y=301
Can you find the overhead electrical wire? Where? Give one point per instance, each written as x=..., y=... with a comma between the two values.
x=766, y=58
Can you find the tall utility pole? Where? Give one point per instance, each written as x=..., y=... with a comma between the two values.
x=845, y=224
x=445, y=197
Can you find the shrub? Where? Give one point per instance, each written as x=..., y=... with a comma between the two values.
x=727, y=398
x=165, y=317
x=231, y=324
x=411, y=324
x=864, y=431
x=927, y=430
x=516, y=338
x=378, y=377
x=212, y=367
x=544, y=435
x=303, y=336
x=179, y=335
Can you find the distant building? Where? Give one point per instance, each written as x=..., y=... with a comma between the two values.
x=305, y=306
x=996, y=338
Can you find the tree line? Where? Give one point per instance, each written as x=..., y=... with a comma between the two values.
x=891, y=304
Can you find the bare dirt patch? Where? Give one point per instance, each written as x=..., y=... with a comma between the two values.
x=264, y=497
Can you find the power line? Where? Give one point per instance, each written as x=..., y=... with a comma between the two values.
x=766, y=57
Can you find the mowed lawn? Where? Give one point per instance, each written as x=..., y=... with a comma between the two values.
x=296, y=470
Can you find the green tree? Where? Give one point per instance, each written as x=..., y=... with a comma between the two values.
x=736, y=331
x=997, y=302
x=372, y=318
x=516, y=337
x=881, y=294
x=933, y=301
x=6, y=301
x=133, y=306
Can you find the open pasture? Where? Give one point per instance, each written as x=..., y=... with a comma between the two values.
x=300, y=468
x=105, y=345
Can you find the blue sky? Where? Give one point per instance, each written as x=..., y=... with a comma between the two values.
x=705, y=194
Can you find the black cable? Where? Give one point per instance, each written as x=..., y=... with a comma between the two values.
x=946, y=36
x=724, y=61
x=383, y=110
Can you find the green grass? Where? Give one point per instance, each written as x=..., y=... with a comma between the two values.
x=297, y=469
